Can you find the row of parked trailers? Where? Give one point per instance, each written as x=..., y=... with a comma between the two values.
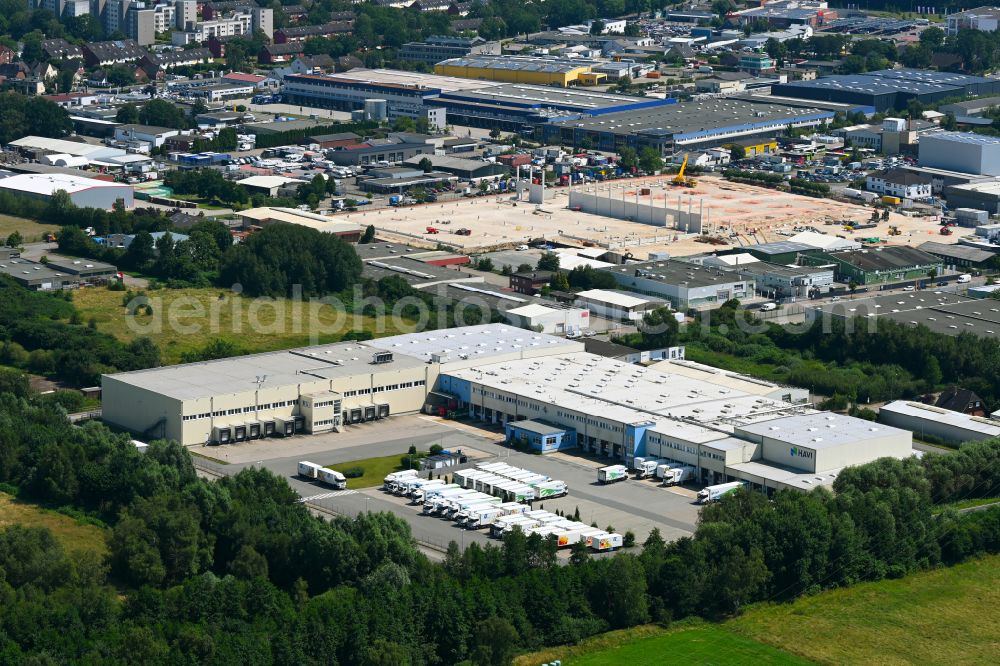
x=668, y=472
x=257, y=429
x=511, y=483
x=474, y=509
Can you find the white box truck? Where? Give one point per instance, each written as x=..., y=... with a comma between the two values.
x=308, y=470
x=672, y=474
x=647, y=468
x=333, y=478
x=391, y=478
x=715, y=493
x=454, y=508
x=484, y=517
x=434, y=503
x=501, y=527
x=429, y=485
x=421, y=495
x=465, y=511
x=612, y=474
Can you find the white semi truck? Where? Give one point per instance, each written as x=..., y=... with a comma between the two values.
x=715, y=493
x=486, y=517
x=308, y=470
x=421, y=495
x=464, y=508
x=673, y=475
x=433, y=505
x=612, y=474
x=551, y=490
x=647, y=468
x=333, y=478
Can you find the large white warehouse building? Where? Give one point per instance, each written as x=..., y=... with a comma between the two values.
x=727, y=426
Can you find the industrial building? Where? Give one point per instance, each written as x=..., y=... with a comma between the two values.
x=36, y=147
x=436, y=48
x=265, y=215
x=941, y=312
x=621, y=411
x=83, y=192
x=961, y=151
x=617, y=305
x=683, y=284
x=984, y=195
x=58, y=273
x=549, y=318
x=878, y=265
x=787, y=282
x=938, y=424
x=957, y=256
x=890, y=89
x=560, y=72
x=689, y=125
x=534, y=384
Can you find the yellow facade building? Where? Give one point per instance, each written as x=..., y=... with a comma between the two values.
x=561, y=72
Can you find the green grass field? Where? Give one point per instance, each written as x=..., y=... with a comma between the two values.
x=376, y=470
x=650, y=646
x=73, y=535
x=30, y=230
x=945, y=616
x=188, y=319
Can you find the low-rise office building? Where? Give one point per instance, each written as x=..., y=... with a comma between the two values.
x=617, y=305
x=899, y=183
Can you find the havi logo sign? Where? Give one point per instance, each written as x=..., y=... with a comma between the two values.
x=801, y=453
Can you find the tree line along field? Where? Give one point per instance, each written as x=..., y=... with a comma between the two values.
x=281, y=324
x=943, y=616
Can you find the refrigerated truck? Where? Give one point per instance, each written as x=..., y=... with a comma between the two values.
x=550, y=490
x=715, y=493
x=612, y=474
x=516, y=492
x=434, y=504
x=673, y=474
x=647, y=468
x=452, y=503
x=465, y=506
x=453, y=508
x=423, y=494
x=391, y=478
x=409, y=484
x=486, y=517
x=333, y=478
x=501, y=527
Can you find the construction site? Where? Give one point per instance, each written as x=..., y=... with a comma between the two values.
x=641, y=215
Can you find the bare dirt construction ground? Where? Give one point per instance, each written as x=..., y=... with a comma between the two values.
x=755, y=214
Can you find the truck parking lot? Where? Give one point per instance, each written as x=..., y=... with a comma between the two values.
x=633, y=505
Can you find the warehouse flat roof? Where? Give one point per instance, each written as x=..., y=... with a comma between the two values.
x=955, y=251
x=678, y=272
x=519, y=63
x=229, y=376
x=482, y=341
x=268, y=181
x=984, y=426
x=698, y=116
x=22, y=269
x=64, y=146
x=621, y=299
x=417, y=273
x=300, y=217
x=819, y=430
x=889, y=258
x=413, y=79
x=778, y=247
x=963, y=137
x=538, y=427
x=49, y=183
x=519, y=94
x=941, y=312
x=786, y=475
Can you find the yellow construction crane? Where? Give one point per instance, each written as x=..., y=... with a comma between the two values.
x=679, y=179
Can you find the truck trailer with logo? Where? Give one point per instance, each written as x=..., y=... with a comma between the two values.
x=612, y=474
x=717, y=492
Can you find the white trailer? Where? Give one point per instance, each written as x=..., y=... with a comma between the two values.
x=463, y=512
x=612, y=474
x=431, y=484
x=434, y=504
x=604, y=541
x=308, y=470
x=517, y=492
x=476, y=519
x=391, y=478
x=425, y=493
x=673, y=475
x=717, y=492
x=501, y=527
x=333, y=478
x=551, y=490
x=452, y=509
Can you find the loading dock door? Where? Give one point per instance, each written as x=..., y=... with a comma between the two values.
x=383, y=410
x=370, y=413
x=355, y=415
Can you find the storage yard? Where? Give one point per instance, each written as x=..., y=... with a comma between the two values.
x=496, y=221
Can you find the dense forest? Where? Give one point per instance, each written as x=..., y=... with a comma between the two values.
x=235, y=571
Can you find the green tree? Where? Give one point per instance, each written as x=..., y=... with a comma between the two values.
x=549, y=261
x=121, y=75
x=495, y=133
x=650, y=160
x=128, y=114
x=627, y=158
x=737, y=152
x=494, y=642
x=15, y=239
x=426, y=165
x=659, y=328
x=368, y=236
